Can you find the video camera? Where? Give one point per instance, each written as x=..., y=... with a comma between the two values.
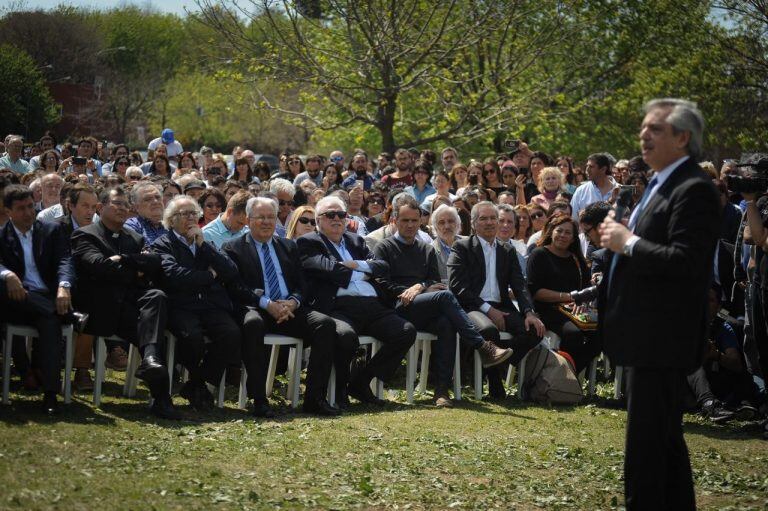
x=757, y=180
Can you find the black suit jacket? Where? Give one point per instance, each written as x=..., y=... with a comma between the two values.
x=247, y=286
x=50, y=250
x=105, y=285
x=186, y=278
x=324, y=272
x=653, y=310
x=66, y=225
x=466, y=275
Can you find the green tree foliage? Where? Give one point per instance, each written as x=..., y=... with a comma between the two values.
x=26, y=104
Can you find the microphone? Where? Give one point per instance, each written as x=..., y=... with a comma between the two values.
x=623, y=203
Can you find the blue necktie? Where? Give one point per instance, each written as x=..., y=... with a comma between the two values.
x=273, y=285
x=636, y=217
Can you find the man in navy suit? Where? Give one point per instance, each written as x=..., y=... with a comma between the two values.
x=36, y=275
x=653, y=302
x=269, y=297
x=340, y=271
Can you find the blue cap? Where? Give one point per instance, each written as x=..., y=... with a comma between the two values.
x=167, y=135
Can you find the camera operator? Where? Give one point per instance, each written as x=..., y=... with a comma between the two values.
x=756, y=233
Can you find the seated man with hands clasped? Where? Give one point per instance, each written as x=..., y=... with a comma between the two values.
x=116, y=288
x=417, y=294
x=269, y=294
x=339, y=269
x=481, y=272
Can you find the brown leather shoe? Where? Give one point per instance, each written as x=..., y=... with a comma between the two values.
x=492, y=355
x=117, y=360
x=83, y=381
x=442, y=399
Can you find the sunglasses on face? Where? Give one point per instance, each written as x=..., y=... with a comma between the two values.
x=337, y=158
x=291, y=162
x=377, y=201
x=489, y=171
x=330, y=215
x=304, y=220
x=286, y=202
x=535, y=216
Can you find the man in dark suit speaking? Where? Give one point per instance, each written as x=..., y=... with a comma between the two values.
x=653, y=302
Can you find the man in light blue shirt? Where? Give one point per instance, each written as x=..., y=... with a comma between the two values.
x=12, y=159
x=599, y=187
x=230, y=224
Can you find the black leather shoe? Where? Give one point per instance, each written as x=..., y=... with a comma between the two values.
x=50, y=404
x=164, y=409
x=320, y=407
x=78, y=320
x=262, y=410
x=362, y=392
x=151, y=370
x=197, y=394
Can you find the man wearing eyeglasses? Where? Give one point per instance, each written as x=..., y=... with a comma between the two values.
x=199, y=309
x=337, y=158
x=312, y=172
x=269, y=295
x=115, y=286
x=340, y=270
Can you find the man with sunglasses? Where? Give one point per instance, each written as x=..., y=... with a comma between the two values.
x=269, y=295
x=231, y=224
x=340, y=270
x=337, y=158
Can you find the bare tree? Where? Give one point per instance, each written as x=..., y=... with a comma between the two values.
x=418, y=71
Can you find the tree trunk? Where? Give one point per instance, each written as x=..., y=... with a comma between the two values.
x=386, y=123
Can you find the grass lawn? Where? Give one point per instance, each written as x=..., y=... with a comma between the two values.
x=477, y=456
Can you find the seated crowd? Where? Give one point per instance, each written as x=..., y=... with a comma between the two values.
x=220, y=254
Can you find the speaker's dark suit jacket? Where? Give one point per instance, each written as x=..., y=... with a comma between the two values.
x=325, y=272
x=466, y=275
x=105, y=287
x=653, y=310
x=50, y=249
x=247, y=287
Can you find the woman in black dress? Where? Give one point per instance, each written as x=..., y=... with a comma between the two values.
x=555, y=268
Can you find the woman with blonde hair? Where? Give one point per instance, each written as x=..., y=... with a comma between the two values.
x=302, y=222
x=550, y=183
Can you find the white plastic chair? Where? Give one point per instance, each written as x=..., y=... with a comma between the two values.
x=134, y=359
x=423, y=344
x=29, y=332
x=294, y=370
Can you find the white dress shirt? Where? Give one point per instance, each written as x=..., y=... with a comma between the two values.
x=490, y=291
x=357, y=284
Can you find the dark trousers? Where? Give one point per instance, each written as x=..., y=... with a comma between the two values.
x=440, y=313
x=760, y=327
x=205, y=361
x=730, y=387
x=581, y=346
x=657, y=471
x=142, y=320
x=521, y=343
x=355, y=316
x=37, y=311
x=316, y=329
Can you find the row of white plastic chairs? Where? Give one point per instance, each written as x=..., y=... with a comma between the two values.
x=422, y=347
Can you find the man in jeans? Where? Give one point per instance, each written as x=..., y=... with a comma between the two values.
x=420, y=297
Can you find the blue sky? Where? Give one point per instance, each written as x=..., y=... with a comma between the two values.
x=171, y=6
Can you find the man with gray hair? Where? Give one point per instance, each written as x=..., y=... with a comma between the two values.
x=12, y=159
x=269, y=294
x=147, y=200
x=481, y=272
x=199, y=309
x=653, y=302
x=285, y=192
x=341, y=274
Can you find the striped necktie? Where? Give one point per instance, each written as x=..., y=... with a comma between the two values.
x=273, y=285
